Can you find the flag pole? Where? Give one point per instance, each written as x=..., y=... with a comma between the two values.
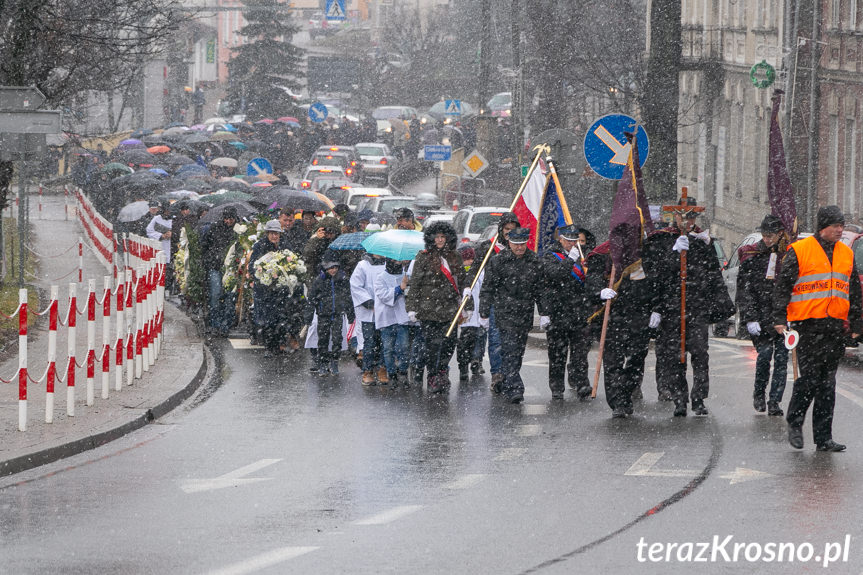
x=539, y=150
x=602, y=336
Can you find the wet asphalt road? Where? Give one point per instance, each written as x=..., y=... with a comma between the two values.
x=276, y=471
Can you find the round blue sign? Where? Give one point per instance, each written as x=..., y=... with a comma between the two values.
x=259, y=166
x=318, y=112
x=606, y=148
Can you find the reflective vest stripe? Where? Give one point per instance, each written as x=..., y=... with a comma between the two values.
x=817, y=295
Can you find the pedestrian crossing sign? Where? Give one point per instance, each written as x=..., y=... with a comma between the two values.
x=452, y=107
x=335, y=10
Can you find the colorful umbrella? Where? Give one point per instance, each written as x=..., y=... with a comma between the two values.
x=352, y=241
x=131, y=142
x=223, y=137
x=267, y=121
x=399, y=245
x=159, y=150
x=192, y=170
x=288, y=120
x=116, y=168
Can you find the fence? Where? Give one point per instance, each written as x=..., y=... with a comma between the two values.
x=132, y=300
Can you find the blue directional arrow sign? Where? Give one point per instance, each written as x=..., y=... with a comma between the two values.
x=606, y=148
x=452, y=107
x=437, y=153
x=259, y=166
x=335, y=10
x=318, y=112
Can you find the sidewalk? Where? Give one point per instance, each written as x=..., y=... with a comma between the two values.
x=179, y=370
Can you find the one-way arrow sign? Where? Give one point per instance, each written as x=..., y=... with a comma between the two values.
x=232, y=479
x=643, y=467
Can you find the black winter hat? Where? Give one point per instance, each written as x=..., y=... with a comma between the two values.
x=506, y=218
x=771, y=224
x=829, y=215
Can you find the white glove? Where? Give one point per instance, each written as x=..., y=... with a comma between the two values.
x=607, y=293
x=681, y=244
x=483, y=322
x=574, y=254
x=544, y=322
x=655, y=318
x=467, y=293
x=412, y=316
x=466, y=314
x=753, y=327
x=704, y=236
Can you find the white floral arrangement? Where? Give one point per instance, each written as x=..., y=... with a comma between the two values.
x=181, y=272
x=281, y=268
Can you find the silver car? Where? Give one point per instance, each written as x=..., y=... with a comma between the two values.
x=378, y=161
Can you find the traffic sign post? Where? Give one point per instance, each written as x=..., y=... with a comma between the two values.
x=437, y=153
x=259, y=166
x=318, y=112
x=606, y=148
x=335, y=10
x=452, y=107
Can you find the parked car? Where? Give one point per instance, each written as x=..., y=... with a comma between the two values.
x=387, y=204
x=313, y=172
x=441, y=216
x=470, y=221
x=348, y=161
x=356, y=195
x=378, y=161
x=324, y=184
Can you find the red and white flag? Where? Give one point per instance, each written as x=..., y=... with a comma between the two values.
x=529, y=204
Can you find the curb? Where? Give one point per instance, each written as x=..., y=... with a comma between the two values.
x=52, y=454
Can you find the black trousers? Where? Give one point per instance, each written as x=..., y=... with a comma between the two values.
x=623, y=363
x=438, y=347
x=466, y=343
x=670, y=372
x=512, y=345
x=572, y=340
x=329, y=330
x=818, y=356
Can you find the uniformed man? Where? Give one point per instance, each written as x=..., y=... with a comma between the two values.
x=817, y=291
x=756, y=280
x=566, y=322
x=706, y=299
x=512, y=286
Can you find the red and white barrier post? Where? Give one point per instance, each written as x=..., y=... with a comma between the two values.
x=121, y=331
x=91, y=340
x=51, y=376
x=147, y=323
x=66, y=202
x=80, y=259
x=70, y=373
x=106, y=337
x=130, y=334
x=139, y=323
x=40, y=201
x=160, y=300
x=22, y=360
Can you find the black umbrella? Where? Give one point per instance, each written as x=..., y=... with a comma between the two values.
x=194, y=205
x=286, y=197
x=200, y=185
x=195, y=138
x=244, y=210
x=137, y=156
x=173, y=159
x=234, y=185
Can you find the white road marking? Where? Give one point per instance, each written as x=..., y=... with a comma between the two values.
x=244, y=344
x=529, y=430
x=465, y=481
x=530, y=391
x=231, y=479
x=510, y=453
x=643, y=467
x=389, y=515
x=534, y=408
x=263, y=561
x=846, y=393
x=535, y=363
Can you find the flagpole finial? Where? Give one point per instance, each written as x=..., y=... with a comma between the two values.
x=543, y=148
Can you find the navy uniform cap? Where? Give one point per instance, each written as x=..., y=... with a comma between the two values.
x=569, y=232
x=519, y=235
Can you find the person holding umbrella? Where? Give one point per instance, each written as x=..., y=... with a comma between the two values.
x=437, y=284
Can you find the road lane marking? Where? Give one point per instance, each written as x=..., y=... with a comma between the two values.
x=510, y=453
x=263, y=561
x=846, y=393
x=535, y=363
x=534, y=408
x=389, y=515
x=243, y=344
x=466, y=481
x=529, y=430
x=643, y=467
x=231, y=479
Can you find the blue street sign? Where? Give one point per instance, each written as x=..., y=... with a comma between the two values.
x=335, y=10
x=437, y=153
x=318, y=112
x=452, y=107
x=606, y=148
x=259, y=166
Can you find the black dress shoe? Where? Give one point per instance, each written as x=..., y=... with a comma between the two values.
x=584, y=392
x=699, y=409
x=516, y=398
x=774, y=409
x=795, y=436
x=628, y=409
x=830, y=445
x=557, y=394
x=618, y=413
x=759, y=404
x=680, y=409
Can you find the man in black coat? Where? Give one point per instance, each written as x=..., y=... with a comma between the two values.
x=566, y=322
x=707, y=301
x=627, y=336
x=215, y=244
x=756, y=280
x=512, y=286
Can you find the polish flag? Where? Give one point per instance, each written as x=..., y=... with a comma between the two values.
x=528, y=206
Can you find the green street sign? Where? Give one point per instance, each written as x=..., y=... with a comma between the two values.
x=524, y=171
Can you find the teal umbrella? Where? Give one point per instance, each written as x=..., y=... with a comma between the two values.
x=398, y=245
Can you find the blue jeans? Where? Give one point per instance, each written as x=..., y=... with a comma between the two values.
x=494, y=345
x=394, y=341
x=771, y=347
x=371, y=346
x=221, y=303
x=479, y=347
